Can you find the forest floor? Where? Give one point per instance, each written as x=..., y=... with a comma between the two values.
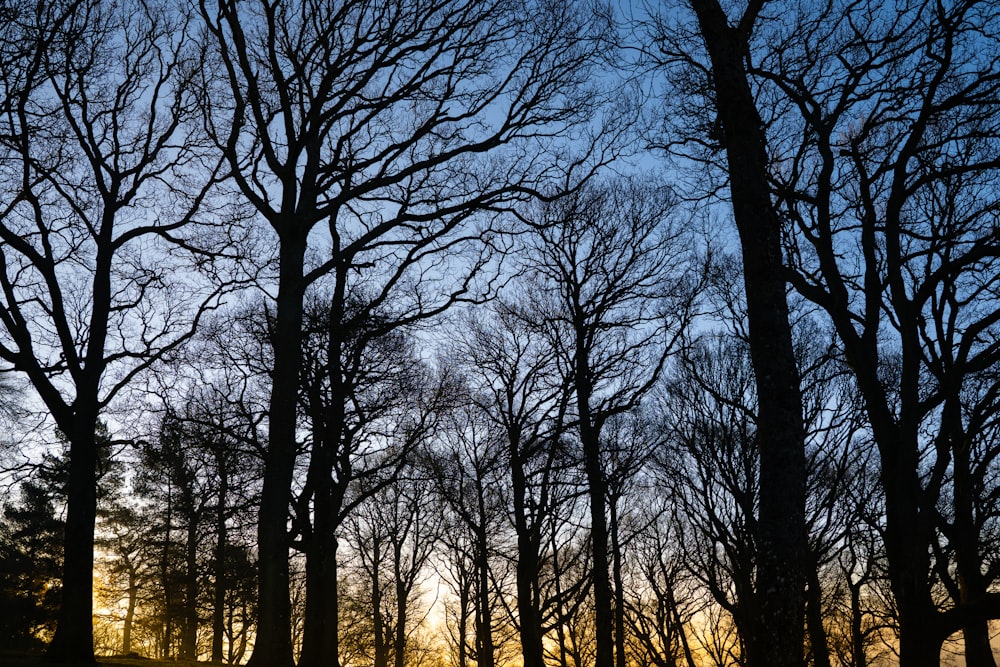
x=17, y=659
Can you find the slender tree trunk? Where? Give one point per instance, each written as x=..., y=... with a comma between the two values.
x=402, y=597
x=464, y=602
x=560, y=614
x=484, y=611
x=529, y=623
x=378, y=627
x=221, y=583
x=814, y=619
x=597, y=490
x=168, y=589
x=189, y=642
x=133, y=596
x=859, y=657
x=782, y=541
x=273, y=643
x=675, y=619
x=621, y=660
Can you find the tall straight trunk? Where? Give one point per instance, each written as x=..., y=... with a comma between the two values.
x=597, y=490
x=859, y=653
x=814, y=618
x=621, y=660
x=189, y=640
x=559, y=613
x=273, y=643
x=402, y=597
x=133, y=598
x=464, y=602
x=221, y=579
x=380, y=645
x=906, y=546
x=316, y=547
x=74, y=636
x=168, y=590
x=484, y=611
x=971, y=582
x=320, y=633
x=780, y=579
x=526, y=570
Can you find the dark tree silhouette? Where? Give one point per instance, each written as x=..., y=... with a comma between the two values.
x=610, y=273
x=372, y=133
x=96, y=145
x=711, y=57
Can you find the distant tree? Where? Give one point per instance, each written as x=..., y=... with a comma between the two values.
x=523, y=402
x=31, y=558
x=468, y=472
x=616, y=287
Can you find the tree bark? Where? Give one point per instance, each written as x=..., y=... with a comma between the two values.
x=780, y=581
x=74, y=636
x=221, y=580
x=529, y=621
x=597, y=490
x=273, y=645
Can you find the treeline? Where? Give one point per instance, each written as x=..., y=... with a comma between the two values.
x=364, y=340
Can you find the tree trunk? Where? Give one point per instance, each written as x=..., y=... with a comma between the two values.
x=402, y=597
x=378, y=627
x=221, y=539
x=273, y=643
x=133, y=597
x=906, y=538
x=782, y=539
x=597, y=490
x=74, y=636
x=484, y=611
x=168, y=590
x=814, y=619
x=529, y=623
x=621, y=660
x=189, y=641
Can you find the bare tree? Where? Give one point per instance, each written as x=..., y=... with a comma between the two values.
x=890, y=159
x=708, y=54
x=371, y=133
x=102, y=173
x=608, y=267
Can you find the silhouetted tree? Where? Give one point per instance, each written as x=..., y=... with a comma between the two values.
x=615, y=290
x=101, y=174
x=378, y=131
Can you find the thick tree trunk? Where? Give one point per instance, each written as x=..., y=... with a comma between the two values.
x=273, y=643
x=782, y=539
x=74, y=636
x=906, y=545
